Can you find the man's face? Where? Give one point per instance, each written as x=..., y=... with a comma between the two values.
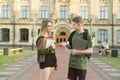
x=76, y=26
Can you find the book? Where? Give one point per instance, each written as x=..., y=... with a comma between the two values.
x=48, y=42
x=80, y=44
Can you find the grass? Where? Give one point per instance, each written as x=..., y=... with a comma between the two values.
x=7, y=60
x=113, y=61
x=24, y=51
x=28, y=51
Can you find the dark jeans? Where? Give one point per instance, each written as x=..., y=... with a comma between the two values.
x=73, y=74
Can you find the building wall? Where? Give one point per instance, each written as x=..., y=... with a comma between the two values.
x=60, y=25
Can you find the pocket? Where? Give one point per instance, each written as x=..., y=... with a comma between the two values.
x=41, y=52
x=40, y=58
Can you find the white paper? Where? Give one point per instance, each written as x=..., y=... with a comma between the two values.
x=49, y=43
x=67, y=50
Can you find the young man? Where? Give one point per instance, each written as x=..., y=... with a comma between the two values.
x=78, y=60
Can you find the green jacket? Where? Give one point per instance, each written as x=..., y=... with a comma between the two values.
x=41, y=52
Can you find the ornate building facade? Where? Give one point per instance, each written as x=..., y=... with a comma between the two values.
x=20, y=20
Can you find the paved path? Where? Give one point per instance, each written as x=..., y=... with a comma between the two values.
x=28, y=69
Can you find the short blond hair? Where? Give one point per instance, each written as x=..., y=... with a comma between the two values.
x=77, y=19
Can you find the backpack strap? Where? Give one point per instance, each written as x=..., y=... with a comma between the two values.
x=71, y=35
x=85, y=36
x=70, y=39
x=39, y=39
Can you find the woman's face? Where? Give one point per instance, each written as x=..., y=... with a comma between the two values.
x=49, y=27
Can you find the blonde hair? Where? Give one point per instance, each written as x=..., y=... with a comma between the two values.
x=44, y=25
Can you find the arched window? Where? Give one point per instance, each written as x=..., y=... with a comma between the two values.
x=24, y=11
x=103, y=12
x=4, y=34
x=102, y=35
x=24, y=35
x=83, y=12
x=5, y=11
x=63, y=12
x=118, y=36
x=62, y=33
x=43, y=11
x=118, y=13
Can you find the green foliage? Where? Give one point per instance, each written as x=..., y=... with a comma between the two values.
x=6, y=60
x=1, y=52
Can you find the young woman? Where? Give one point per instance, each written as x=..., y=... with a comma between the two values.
x=46, y=56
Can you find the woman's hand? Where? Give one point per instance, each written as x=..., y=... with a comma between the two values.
x=63, y=44
x=53, y=45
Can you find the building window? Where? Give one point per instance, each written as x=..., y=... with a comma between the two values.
x=43, y=0
x=62, y=33
x=63, y=12
x=43, y=11
x=118, y=36
x=24, y=33
x=5, y=11
x=103, y=12
x=83, y=12
x=24, y=12
x=4, y=34
x=24, y=0
x=102, y=35
x=118, y=12
x=101, y=0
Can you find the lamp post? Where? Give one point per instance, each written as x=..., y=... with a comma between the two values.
x=33, y=20
x=33, y=35
x=13, y=23
x=90, y=21
x=112, y=25
x=92, y=33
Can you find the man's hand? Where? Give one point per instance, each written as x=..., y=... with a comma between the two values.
x=73, y=52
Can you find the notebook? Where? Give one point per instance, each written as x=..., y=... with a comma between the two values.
x=80, y=44
x=49, y=42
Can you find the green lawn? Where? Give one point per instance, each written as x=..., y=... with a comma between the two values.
x=115, y=62
x=7, y=60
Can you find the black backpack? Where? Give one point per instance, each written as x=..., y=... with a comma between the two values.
x=85, y=35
